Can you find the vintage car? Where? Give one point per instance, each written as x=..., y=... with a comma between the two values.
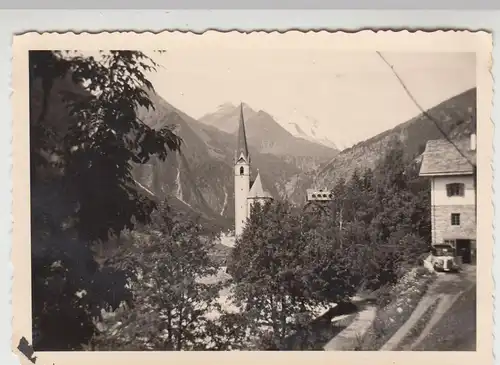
x=444, y=258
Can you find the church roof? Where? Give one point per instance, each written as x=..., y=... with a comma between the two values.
x=242, y=148
x=257, y=191
x=442, y=158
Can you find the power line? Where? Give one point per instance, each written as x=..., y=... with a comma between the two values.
x=425, y=112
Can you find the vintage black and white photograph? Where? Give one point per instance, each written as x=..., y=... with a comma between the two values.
x=225, y=195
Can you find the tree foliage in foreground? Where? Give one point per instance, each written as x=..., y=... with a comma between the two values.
x=103, y=134
x=172, y=309
x=84, y=134
x=386, y=213
x=289, y=260
x=283, y=267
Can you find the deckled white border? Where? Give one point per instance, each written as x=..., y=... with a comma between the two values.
x=148, y=22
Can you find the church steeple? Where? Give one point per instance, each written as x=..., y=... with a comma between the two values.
x=242, y=148
x=241, y=178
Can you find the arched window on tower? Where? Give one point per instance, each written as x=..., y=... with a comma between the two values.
x=242, y=170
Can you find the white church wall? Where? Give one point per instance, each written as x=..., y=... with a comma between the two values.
x=241, y=189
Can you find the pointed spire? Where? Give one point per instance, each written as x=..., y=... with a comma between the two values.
x=242, y=138
x=257, y=190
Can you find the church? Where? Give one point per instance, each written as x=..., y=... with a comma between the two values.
x=246, y=192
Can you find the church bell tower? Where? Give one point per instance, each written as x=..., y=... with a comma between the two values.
x=241, y=178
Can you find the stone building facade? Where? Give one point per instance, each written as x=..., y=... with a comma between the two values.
x=443, y=229
x=452, y=174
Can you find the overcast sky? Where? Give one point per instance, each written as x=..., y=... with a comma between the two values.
x=353, y=95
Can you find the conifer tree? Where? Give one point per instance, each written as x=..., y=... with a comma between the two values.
x=285, y=264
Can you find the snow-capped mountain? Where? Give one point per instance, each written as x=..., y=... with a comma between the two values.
x=311, y=129
x=312, y=137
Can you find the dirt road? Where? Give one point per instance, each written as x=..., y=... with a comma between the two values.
x=452, y=325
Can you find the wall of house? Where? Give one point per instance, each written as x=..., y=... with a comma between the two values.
x=441, y=223
x=443, y=206
x=439, y=195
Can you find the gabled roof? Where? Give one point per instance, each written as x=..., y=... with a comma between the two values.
x=257, y=191
x=442, y=158
x=242, y=148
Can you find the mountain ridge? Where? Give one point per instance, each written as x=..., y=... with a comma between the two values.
x=454, y=115
x=200, y=179
x=266, y=134
x=201, y=175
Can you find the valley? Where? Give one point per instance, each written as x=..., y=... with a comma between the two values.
x=152, y=230
x=201, y=175
x=199, y=178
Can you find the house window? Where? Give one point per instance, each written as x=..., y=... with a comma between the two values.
x=455, y=189
x=242, y=170
x=455, y=219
